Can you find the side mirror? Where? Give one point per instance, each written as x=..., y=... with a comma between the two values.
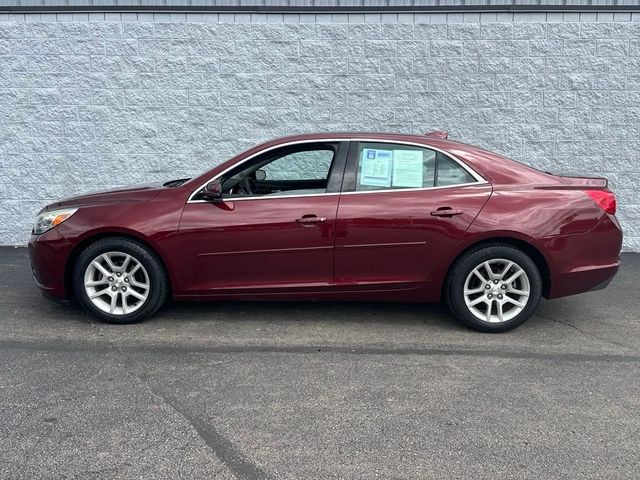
x=212, y=192
x=260, y=175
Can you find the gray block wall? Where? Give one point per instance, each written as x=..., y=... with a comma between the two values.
x=94, y=101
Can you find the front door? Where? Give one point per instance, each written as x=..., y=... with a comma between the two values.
x=402, y=209
x=275, y=230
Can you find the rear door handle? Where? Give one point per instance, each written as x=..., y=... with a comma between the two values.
x=310, y=220
x=446, y=212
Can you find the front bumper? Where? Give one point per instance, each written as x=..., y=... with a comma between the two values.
x=49, y=253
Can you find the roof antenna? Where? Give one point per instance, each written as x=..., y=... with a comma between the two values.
x=437, y=134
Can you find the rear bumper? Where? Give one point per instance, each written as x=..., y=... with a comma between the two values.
x=587, y=280
x=48, y=254
x=586, y=262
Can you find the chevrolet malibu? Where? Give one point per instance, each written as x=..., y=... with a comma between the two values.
x=359, y=217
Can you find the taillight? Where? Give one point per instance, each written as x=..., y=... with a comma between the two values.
x=606, y=200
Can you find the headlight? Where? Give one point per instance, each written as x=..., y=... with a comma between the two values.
x=47, y=220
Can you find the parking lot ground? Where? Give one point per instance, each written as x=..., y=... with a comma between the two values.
x=318, y=390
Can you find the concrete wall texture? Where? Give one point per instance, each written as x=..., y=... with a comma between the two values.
x=92, y=101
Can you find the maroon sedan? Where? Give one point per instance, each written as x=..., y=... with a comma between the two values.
x=337, y=217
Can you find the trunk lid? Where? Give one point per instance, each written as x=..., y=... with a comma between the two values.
x=585, y=182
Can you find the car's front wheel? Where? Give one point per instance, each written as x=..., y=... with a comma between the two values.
x=494, y=289
x=119, y=280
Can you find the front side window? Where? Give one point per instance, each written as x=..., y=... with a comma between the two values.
x=297, y=170
x=305, y=165
x=391, y=166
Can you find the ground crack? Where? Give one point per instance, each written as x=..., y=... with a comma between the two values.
x=224, y=449
x=587, y=333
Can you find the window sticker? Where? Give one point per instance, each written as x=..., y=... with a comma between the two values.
x=376, y=167
x=407, y=168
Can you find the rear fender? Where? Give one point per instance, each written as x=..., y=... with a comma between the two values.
x=538, y=212
x=537, y=217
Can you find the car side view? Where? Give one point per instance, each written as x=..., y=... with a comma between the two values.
x=337, y=216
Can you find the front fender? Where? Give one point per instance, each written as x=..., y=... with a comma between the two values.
x=130, y=220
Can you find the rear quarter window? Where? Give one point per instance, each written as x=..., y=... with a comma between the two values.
x=450, y=173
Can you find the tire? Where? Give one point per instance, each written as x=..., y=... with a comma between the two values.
x=488, y=301
x=124, y=269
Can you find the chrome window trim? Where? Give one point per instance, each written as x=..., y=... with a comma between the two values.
x=390, y=190
x=479, y=179
x=483, y=182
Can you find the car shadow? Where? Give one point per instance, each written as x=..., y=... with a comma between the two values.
x=347, y=312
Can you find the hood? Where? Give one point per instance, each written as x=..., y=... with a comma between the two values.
x=135, y=194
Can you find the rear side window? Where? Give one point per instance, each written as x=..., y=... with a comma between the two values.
x=383, y=166
x=391, y=166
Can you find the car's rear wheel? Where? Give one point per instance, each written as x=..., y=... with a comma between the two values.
x=119, y=280
x=494, y=289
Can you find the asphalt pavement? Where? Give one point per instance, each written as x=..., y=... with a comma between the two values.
x=318, y=390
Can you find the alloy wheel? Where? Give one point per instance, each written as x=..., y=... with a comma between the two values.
x=117, y=283
x=497, y=290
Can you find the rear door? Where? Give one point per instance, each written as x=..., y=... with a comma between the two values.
x=401, y=210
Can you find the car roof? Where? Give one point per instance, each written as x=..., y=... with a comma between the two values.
x=493, y=167
x=422, y=139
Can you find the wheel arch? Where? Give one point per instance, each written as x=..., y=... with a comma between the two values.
x=527, y=247
x=102, y=234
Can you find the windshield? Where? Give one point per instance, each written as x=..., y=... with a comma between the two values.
x=175, y=183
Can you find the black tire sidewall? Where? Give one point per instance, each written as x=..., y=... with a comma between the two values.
x=150, y=261
x=464, y=266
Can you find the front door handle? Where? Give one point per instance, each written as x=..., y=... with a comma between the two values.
x=446, y=212
x=310, y=220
